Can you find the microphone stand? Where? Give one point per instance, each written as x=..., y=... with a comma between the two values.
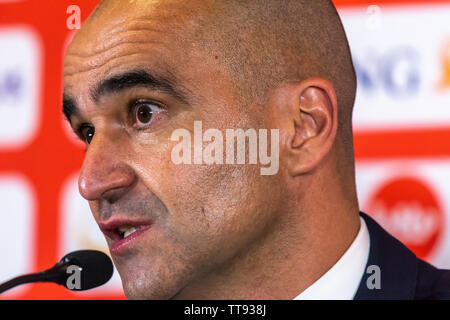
x=55, y=274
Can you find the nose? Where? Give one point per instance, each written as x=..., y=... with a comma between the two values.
x=104, y=175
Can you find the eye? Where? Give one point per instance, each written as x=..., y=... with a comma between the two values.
x=87, y=133
x=144, y=113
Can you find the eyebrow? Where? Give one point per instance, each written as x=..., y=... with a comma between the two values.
x=69, y=107
x=124, y=81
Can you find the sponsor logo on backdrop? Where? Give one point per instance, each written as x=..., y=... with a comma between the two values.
x=410, y=210
x=400, y=64
x=19, y=85
x=395, y=72
x=445, y=66
x=11, y=86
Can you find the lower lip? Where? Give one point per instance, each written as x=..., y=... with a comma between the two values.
x=122, y=245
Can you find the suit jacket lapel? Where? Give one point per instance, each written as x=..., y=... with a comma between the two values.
x=398, y=266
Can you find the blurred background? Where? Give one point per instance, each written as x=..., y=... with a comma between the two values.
x=401, y=51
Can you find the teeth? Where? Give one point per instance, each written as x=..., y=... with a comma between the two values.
x=126, y=231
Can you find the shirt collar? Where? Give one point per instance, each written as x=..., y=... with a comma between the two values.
x=342, y=281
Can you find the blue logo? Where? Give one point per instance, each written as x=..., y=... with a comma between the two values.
x=11, y=86
x=395, y=72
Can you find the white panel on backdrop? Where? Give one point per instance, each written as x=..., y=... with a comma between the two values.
x=19, y=86
x=17, y=215
x=411, y=199
x=79, y=231
x=403, y=66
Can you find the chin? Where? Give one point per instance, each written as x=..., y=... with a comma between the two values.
x=140, y=286
x=141, y=291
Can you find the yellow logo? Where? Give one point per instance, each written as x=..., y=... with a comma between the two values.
x=445, y=63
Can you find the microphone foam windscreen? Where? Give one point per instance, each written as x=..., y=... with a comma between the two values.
x=96, y=268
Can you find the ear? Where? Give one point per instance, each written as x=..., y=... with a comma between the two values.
x=311, y=125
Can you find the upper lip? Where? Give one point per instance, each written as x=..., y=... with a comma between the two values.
x=110, y=227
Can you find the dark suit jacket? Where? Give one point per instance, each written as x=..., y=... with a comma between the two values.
x=403, y=275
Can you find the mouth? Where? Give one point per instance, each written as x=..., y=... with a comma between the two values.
x=123, y=233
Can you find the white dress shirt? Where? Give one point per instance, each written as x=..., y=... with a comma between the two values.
x=342, y=281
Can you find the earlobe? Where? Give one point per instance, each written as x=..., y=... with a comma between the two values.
x=315, y=123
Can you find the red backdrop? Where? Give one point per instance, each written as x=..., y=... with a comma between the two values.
x=49, y=156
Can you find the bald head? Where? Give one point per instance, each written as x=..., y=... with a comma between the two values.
x=268, y=42
x=264, y=43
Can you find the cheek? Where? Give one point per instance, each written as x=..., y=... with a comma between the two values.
x=215, y=207
x=211, y=208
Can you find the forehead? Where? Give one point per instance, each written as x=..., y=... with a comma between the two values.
x=130, y=35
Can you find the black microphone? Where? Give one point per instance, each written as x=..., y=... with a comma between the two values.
x=77, y=271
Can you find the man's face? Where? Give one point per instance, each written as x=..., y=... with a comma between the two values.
x=135, y=77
